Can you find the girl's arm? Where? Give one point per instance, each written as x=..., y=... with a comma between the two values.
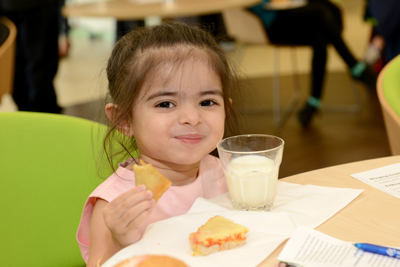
x=100, y=236
x=115, y=225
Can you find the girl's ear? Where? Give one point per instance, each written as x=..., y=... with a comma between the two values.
x=124, y=126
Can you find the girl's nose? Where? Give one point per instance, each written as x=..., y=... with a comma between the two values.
x=189, y=115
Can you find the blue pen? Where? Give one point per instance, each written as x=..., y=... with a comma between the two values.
x=391, y=252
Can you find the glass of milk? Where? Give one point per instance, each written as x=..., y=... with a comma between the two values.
x=251, y=165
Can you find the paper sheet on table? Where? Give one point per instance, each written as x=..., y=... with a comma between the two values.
x=294, y=205
x=311, y=248
x=385, y=178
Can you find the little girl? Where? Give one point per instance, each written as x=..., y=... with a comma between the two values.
x=171, y=88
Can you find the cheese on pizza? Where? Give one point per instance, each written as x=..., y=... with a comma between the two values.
x=217, y=234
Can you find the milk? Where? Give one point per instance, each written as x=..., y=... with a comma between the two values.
x=252, y=181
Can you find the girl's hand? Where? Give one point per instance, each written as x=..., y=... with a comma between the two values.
x=124, y=215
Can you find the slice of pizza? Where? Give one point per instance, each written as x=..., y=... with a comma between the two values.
x=149, y=176
x=152, y=261
x=217, y=234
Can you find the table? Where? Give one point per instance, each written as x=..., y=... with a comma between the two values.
x=126, y=10
x=373, y=217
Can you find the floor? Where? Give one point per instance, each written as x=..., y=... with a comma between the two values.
x=334, y=137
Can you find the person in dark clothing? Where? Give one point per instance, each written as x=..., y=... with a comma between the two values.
x=317, y=24
x=36, y=62
x=386, y=32
x=125, y=26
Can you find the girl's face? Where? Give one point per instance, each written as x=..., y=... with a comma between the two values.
x=179, y=115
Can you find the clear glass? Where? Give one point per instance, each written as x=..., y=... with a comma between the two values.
x=251, y=166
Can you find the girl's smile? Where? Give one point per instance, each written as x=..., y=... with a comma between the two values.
x=191, y=139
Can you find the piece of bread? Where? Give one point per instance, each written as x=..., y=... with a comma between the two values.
x=217, y=234
x=149, y=176
x=151, y=261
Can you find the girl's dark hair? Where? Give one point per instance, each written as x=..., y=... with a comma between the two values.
x=135, y=60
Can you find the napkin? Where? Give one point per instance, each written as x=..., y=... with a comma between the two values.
x=295, y=205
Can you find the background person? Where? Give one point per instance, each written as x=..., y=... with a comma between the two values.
x=36, y=61
x=385, y=16
x=317, y=24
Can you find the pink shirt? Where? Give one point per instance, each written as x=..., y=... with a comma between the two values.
x=177, y=200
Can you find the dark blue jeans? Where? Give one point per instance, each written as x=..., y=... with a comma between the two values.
x=36, y=58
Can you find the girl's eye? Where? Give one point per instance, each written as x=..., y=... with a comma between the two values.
x=207, y=103
x=165, y=105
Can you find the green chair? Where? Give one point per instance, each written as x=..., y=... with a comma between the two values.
x=47, y=170
x=388, y=89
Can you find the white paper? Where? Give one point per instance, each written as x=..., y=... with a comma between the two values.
x=309, y=205
x=294, y=205
x=386, y=179
x=311, y=248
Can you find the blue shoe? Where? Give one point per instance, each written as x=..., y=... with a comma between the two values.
x=368, y=77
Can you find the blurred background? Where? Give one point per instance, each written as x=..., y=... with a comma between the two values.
x=333, y=138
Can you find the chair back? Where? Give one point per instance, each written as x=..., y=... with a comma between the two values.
x=244, y=26
x=7, y=58
x=388, y=89
x=47, y=171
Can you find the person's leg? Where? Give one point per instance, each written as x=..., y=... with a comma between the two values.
x=297, y=28
x=313, y=103
x=20, y=91
x=328, y=16
x=328, y=22
x=317, y=24
x=63, y=39
x=39, y=38
x=387, y=15
x=318, y=65
x=392, y=48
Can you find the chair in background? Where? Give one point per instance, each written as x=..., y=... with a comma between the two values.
x=247, y=29
x=7, y=58
x=47, y=170
x=388, y=89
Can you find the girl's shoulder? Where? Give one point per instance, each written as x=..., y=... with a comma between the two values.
x=117, y=183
